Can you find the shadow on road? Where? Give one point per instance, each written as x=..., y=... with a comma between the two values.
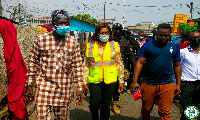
x=79, y=114
x=117, y=117
x=87, y=99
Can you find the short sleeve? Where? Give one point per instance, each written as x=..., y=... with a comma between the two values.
x=177, y=57
x=182, y=54
x=142, y=51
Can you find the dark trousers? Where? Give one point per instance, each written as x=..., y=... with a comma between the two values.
x=130, y=79
x=116, y=94
x=190, y=96
x=100, y=97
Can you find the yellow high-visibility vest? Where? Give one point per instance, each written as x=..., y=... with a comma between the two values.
x=102, y=67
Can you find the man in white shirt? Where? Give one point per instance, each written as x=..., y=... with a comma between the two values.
x=190, y=62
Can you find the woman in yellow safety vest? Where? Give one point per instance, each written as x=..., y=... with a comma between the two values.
x=102, y=67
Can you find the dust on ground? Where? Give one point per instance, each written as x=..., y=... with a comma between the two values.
x=130, y=110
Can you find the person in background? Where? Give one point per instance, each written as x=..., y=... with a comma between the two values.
x=190, y=62
x=117, y=33
x=177, y=40
x=127, y=49
x=140, y=39
x=16, y=73
x=184, y=39
x=154, y=31
x=130, y=56
x=147, y=37
x=162, y=59
x=53, y=59
x=103, y=66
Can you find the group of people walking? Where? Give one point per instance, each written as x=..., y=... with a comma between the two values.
x=55, y=63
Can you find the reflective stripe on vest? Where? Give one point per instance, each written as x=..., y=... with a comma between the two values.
x=110, y=63
x=91, y=47
x=111, y=45
x=102, y=67
x=90, y=51
x=112, y=48
x=96, y=64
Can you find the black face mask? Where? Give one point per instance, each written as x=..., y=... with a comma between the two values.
x=195, y=42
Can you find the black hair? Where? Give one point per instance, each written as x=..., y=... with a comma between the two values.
x=117, y=26
x=95, y=36
x=164, y=26
x=141, y=31
x=185, y=32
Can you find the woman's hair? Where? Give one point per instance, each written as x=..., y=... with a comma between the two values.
x=95, y=36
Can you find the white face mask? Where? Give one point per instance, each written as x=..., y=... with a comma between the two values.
x=104, y=38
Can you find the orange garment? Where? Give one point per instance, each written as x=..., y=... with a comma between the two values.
x=164, y=95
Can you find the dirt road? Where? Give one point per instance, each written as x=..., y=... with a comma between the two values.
x=130, y=110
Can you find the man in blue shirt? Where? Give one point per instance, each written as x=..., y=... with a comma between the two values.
x=162, y=59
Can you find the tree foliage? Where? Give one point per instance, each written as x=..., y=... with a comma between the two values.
x=20, y=14
x=86, y=17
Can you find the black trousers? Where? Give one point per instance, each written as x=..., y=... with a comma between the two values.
x=116, y=94
x=189, y=96
x=100, y=97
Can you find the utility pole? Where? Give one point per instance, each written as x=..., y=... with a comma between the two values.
x=15, y=11
x=123, y=15
x=0, y=9
x=104, y=12
x=19, y=14
x=191, y=8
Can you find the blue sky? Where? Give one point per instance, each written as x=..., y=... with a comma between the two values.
x=135, y=11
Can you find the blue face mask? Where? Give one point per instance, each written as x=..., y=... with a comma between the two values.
x=141, y=38
x=104, y=38
x=62, y=30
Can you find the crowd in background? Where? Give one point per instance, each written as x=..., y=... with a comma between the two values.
x=106, y=62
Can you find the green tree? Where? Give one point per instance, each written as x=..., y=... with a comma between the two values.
x=78, y=16
x=19, y=11
x=93, y=21
x=86, y=17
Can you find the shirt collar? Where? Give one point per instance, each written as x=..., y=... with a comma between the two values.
x=189, y=48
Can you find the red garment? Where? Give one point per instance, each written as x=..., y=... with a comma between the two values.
x=48, y=27
x=184, y=45
x=137, y=94
x=16, y=70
